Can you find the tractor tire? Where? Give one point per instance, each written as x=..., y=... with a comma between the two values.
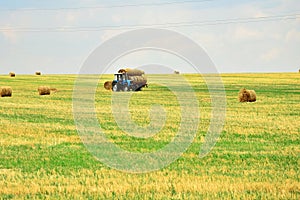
x=125, y=88
x=115, y=88
x=133, y=88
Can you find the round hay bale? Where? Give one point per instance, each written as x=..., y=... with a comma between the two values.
x=108, y=85
x=38, y=73
x=122, y=71
x=132, y=78
x=44, y=90
x=5, y=91
x=12, y=74
x=134, y=72
x=138, y=78
x=247, y=95
x=243, y=95
x=252, y=96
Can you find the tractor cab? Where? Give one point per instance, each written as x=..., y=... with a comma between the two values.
x=119, y=77
x=121, y=82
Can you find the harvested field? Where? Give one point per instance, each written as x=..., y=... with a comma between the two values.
x=256, y=157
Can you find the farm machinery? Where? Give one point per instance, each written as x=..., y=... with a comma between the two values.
x=127, y=80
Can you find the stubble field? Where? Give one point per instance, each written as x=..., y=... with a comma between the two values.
x=256, y=156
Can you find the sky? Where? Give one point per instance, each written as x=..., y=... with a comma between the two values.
x=57, y=37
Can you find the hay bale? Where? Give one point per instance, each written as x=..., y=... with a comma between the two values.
x=252, y=97
x=137, y=79
x=38, y=73
x=5, y=91
x=122, y=71
x=134, y=72
x=108, y=85
x=247, y=95
x=12, y=74
x=44, y=90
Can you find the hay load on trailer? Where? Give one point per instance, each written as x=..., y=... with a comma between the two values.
x=126, y=80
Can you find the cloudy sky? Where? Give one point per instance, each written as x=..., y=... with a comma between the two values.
x=239, y=36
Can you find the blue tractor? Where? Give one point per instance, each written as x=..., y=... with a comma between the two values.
x=121, y=82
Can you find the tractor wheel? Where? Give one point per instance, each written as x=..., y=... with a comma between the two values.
x=133, y=87
x=125, y=89
x=115, y=88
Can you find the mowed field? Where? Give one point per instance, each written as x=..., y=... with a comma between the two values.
x=256, y=156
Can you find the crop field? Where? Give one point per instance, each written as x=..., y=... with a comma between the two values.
x=256, y=157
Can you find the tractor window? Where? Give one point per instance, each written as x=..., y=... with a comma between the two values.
x=118, y=77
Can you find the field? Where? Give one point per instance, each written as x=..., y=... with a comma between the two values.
x=256, y=156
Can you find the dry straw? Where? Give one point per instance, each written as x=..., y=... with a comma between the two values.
x=12, y=74
x=132, y=72
x=5, y=91
x=247, y=95
x=44, y=90
x=135, y=72
x=108, y=85
x=53, y=90
x=138, y=79
x=122, y=71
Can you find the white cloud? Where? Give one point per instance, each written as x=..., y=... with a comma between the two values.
x=10, y=35
x=71, y=17
x=108, y=34
x=271, y=55
x=293, y=36
x=243, y=33
x=117, y=18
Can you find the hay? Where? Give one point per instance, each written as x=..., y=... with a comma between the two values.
x=12, y=74
x=38, y=73
x=5, y=91
x=53, y=90
x=44, y=90
x=252, y=96
x=132, y=72
x=122, y=71
x=108, y=85
x=138, y=79
x=247, y=95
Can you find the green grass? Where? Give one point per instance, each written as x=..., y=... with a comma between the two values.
x=256, y=157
